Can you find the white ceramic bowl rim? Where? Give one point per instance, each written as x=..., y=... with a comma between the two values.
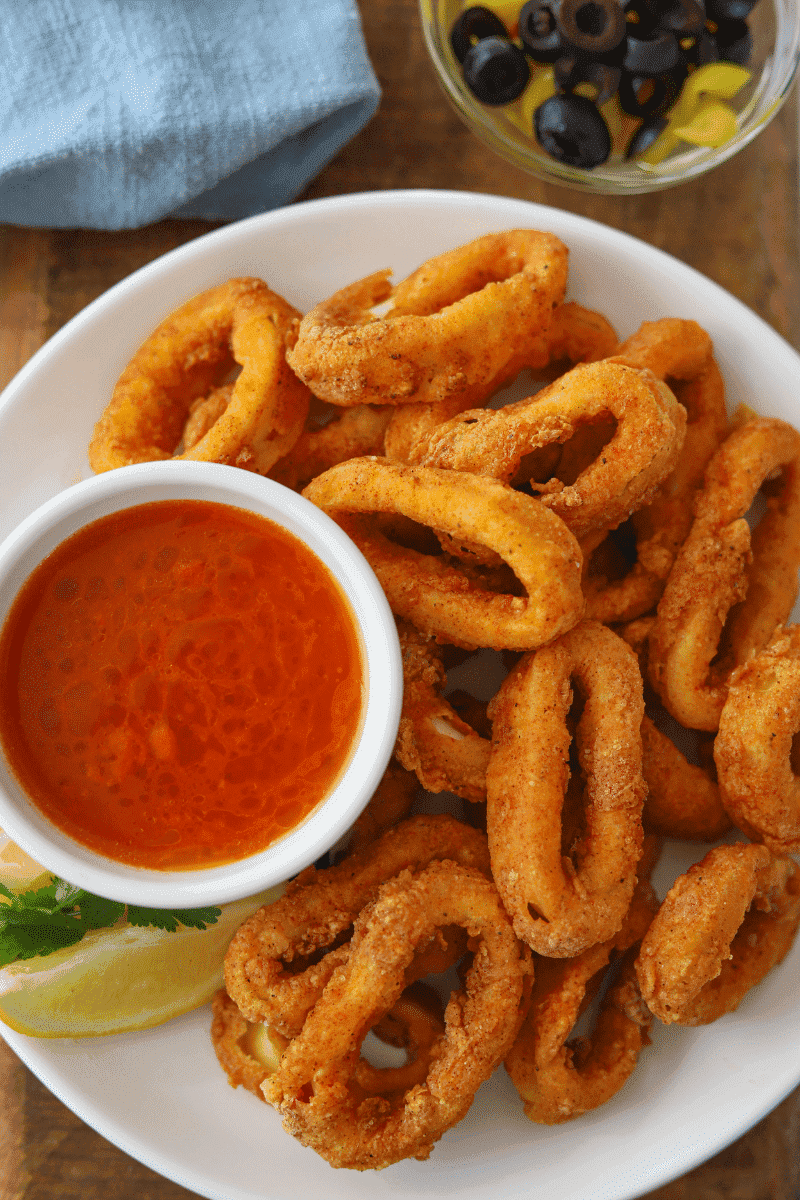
x=75, y=507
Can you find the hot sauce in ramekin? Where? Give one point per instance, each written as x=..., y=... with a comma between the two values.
x=182, y=684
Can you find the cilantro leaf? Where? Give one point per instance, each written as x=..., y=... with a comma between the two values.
x=47, y=919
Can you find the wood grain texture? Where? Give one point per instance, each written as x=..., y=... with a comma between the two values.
x=738, y=225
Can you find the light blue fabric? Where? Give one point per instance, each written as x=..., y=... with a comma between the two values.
x=116, y=113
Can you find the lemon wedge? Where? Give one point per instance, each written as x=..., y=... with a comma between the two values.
x=113, y=980
x=121, y=979
x=18, y=871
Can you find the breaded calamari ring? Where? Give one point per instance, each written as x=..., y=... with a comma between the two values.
x=683, y=799
x=558, y=1079
x=561, y=905
x=575, y=334
x=681, y=354
x=351, y=433
x=186, y=357
x=641, y=453
x=433, y=594
x=315, y=1087
x=753, y=749
x=457, y=326
x=721, y=927
x=432, y=740
x=390, y=804
x=710, y=575
x=318, y=907
x=249, y=1051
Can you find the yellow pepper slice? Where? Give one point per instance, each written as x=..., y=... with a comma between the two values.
x=712, y=124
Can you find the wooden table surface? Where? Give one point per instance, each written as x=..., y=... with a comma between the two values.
x=738, y=225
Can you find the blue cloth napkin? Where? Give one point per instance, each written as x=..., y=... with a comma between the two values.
x=116, y=113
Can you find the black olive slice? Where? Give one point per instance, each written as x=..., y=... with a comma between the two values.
x=495, y=71
x=539, y=31
x=650, y=95
x=570, y=129
x=651, y=54
x=734, y=42
x=593, y=26
x=644, y=136
x=472, y=26
x=683, y=16
x=601, y=77
x=729, y=10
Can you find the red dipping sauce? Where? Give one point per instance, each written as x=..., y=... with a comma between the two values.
x=183, y=684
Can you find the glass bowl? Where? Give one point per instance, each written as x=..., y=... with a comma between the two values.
x=775, y=29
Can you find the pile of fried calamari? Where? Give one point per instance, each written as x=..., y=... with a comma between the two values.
x=589, y=539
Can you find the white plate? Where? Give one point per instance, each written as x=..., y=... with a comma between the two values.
x=160, y=1095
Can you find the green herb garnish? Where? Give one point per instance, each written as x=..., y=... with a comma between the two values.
x=46, y=919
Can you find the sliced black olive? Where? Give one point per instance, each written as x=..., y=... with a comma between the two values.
x=683, y=16
x=472, y=26
x=729, y=10
x=652, y=53
x=571, y=130
x=602, y=77
x=734, y=42
x=593, y=26
x=644, y=137
x=650, y=95
x=539, y=31
x=641, y=16
x=495, y=70
x=699, y=50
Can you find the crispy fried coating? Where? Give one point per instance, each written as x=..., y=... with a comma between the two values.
x=440, y=598
x=185, y=361
x=721, y=568
x=313, y=1088
x=559, y=1078
x=318, y=908
x=575, y=334
x=753, y=749
x=446, y=753
x=350, y=433
x=458, y=326
x=644, y=448
x=721, y=927
x=563, y=903
x=681, y=354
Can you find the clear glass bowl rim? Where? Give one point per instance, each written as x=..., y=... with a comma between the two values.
x=773, y=88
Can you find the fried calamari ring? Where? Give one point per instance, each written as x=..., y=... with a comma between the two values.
x=562, y=905
x=318, y=908
x=390, y=804
x=315, y=1088
x=248, y=1051
x=458, y=326
x=559, y=1079
x=559, y=1084
x=436, y=596
x=641, y=453
x=351, y=433
x=721, y=927
x=683, y=800
x=710, y=574
x=753, y=749
x=575, y=334
x=444, y=751
x=679, y=353
x=186, y=357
